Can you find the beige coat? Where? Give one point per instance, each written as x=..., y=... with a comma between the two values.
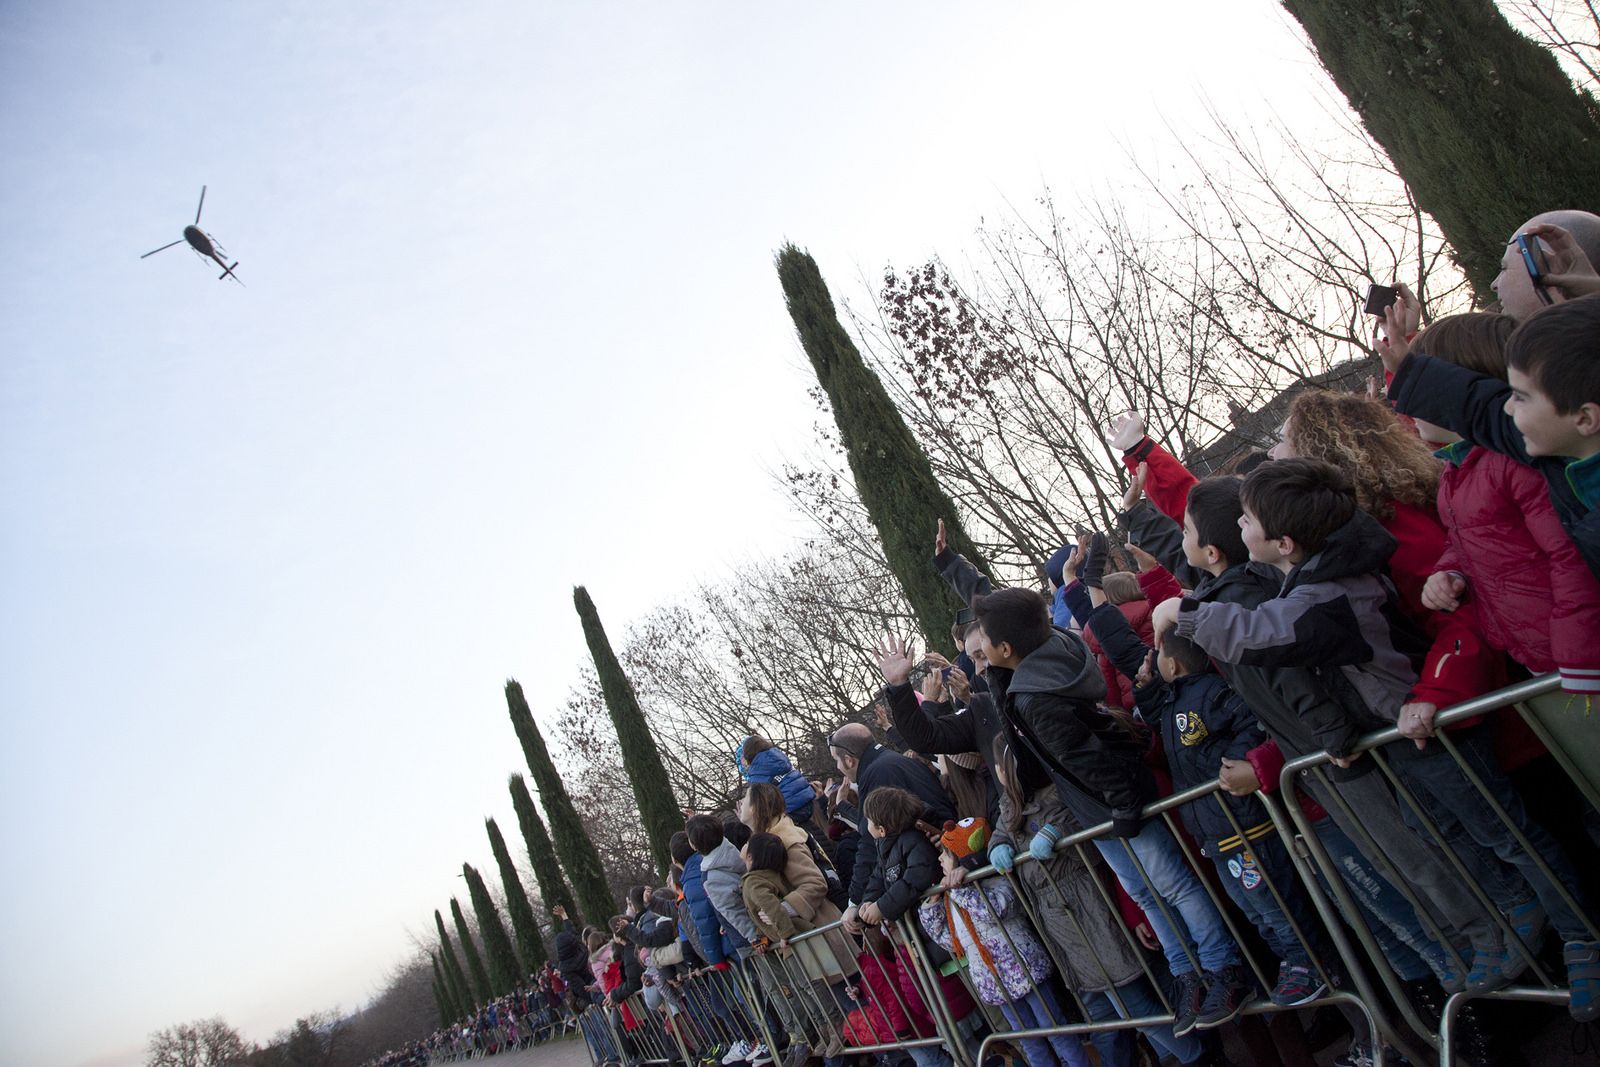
x=808, y=896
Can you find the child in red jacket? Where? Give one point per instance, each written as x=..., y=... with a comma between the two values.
x=1508, y=553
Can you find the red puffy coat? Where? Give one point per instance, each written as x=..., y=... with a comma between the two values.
x=1535, y=597
x=1460, y=664
x=1119, y=687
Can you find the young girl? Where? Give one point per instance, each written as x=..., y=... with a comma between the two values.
x=760, y=761
x=823, y=961
x=983, y=925
x=1093, y=955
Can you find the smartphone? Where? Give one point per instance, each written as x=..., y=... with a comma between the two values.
x=1533, y=259
x=1379, y=298
x=964, y=617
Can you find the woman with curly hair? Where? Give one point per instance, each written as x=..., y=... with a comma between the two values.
x=1396, y=479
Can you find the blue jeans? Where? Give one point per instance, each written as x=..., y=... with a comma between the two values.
x=1465, y=819
x=1245, y=874
x=1040, y=1008
x=1404, y=941
x=1141, y=1003
x=1179, y=887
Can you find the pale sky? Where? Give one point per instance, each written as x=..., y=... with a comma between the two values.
x=510, y=325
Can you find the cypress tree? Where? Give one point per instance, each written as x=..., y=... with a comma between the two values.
x=455, y=978
x=577, y=852
x=448, y=1012
x=482, y=988
x=891, y=471
x=1481, y=122
x=530, y=946
x=658, y=808
x=504, y=969
x=553, y=888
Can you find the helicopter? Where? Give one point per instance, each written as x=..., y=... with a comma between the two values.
x=203, y=243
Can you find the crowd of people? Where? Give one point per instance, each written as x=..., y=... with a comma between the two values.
x=531, y=1014
x=1395, y=554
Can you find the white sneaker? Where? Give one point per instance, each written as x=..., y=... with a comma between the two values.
x=739, y=1052
x=759, y=1056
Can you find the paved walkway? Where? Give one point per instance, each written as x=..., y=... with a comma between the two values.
x=563, y=1052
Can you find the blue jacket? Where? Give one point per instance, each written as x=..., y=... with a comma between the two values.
x=773, y=766
x=718, y=947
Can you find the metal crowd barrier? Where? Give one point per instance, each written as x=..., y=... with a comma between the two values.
x=805, y=994
x=1314, y=768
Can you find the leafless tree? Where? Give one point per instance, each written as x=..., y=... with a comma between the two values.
x=202, y=1043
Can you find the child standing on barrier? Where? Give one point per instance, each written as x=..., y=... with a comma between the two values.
x=1335, y=626
x=981, y=924
x=1203, y=722
x=1095, y=956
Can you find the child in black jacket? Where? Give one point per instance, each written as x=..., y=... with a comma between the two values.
x=908, y=863
x=1202, y=722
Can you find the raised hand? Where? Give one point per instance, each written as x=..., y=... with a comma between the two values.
x=1136, y=486
x=1147, y=671
x=1126, y=431
x=1400, y=322
x=1567, y=267
x=940, y=543
x=960, y=687
x=1142, y=559
x=895, y=660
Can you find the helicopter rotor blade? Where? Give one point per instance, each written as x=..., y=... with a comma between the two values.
x=163, y=248
x=202, y=206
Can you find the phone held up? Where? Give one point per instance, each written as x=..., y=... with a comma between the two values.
x=1533, y=259
x=1379, y=299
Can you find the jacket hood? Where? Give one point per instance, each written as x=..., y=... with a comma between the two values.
x=1062, y=665
x=723, y=858
x=1360, y=546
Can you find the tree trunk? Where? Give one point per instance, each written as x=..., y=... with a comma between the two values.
x=530, y=946
x=658, y=808
x=577, y=852
x=891, y=471
x=1482, y=123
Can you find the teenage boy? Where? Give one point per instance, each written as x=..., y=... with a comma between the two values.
x=1337, y=615
x=1547, y=415
x=1047, y=686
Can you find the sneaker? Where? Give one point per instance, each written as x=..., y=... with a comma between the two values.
x=1494, y=968
x=713, y=1054
x=1297, y=985
x=759, y=1056
x=798, y=1053
x=1186, y=998
x=1227, y=992
x=1583, y=975
x=738, y=1052
x=1360, y=1055
x=1529, y=921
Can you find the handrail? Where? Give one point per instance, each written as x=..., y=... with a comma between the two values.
x=1478, y=705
